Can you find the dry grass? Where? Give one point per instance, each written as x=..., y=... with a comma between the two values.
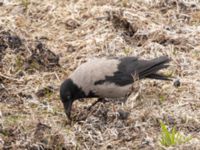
x=31, y=114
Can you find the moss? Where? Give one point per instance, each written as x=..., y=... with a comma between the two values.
x=14, y=119
x=127, y=51
x=19, y=62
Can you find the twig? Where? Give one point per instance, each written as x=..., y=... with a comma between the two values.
x=10, y=78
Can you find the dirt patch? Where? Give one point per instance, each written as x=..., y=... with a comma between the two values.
x=27, y=58
x=45, y=91
x=10, y=40
x=121, y=23
x=41, y=59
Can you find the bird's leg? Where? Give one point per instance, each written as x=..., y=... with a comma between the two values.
x=102, y=100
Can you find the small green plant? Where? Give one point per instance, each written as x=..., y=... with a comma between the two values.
x=162, y=99
x=172, y=137
x=25, y=3
x=34, y=65
x=127, y=50
x=18, y=63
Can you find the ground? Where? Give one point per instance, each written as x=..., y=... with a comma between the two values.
x=42, y=42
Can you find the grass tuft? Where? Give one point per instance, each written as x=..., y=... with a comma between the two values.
x=25, y=3
x=172, y=137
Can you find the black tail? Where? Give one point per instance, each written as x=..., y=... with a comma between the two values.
x=149, y=68
x=159, y=77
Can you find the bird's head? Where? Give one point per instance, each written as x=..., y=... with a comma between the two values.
x=67, y=96
x=69, y=92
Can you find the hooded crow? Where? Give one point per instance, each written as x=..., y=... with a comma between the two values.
x=108, y=78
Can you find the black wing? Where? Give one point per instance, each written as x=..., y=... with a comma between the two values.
x=130, y=66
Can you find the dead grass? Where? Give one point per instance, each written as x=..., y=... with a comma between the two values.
x=31, y=114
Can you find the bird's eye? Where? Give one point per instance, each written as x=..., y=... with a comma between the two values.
x=68, y=97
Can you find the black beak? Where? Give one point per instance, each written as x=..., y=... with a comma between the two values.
x=67, y=107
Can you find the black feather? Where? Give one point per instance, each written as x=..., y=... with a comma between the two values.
x=130, y=66
x=159, y=77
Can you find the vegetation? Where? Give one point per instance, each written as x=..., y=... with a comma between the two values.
x=172, y=137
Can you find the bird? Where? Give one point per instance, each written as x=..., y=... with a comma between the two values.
x=109, y=78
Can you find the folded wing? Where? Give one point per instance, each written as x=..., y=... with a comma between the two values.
x=131, y=66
